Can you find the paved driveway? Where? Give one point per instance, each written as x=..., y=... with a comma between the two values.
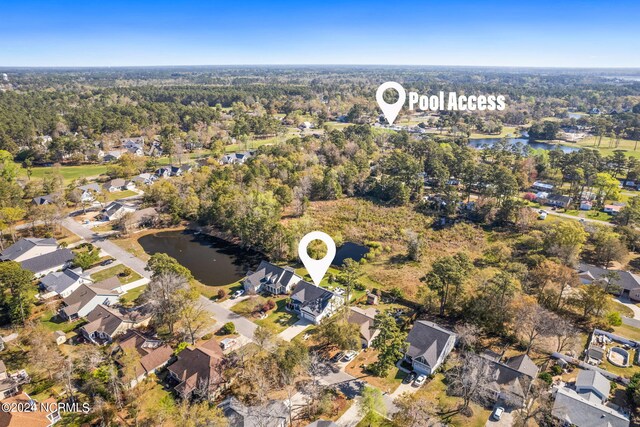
x=506, y=420
x=294, y=330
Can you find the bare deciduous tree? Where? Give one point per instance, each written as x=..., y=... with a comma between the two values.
x=163, y=296
x=470, y=379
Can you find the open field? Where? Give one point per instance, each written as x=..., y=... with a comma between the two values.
x=69, y=173
x=363, y=221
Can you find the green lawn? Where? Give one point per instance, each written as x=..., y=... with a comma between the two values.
x=627, y=332
x=133, y=294
x=277, y=320
x=115, y=271
x=69, y=173
x=374, y=419
x=51, y=322
x=592, y=214
x=121, y=194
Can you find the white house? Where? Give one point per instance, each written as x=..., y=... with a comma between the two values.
x=429, y=345
x=116, y=210
x=25, y=249
x=314, y=303
x=270, y=278
x=84, y=299
x=62, y=283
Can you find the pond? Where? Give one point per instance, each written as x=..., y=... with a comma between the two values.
x=349, y=250
x=212, y=261
x=479, y=143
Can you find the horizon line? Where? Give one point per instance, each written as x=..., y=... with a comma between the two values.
x=315, y=65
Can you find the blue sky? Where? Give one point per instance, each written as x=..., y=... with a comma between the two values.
x=517, y=33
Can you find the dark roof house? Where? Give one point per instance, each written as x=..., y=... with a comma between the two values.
x=198, y=370
x=271, y=278
x=428, y=345
x=46, y=263
x=28, y=248
x=313, y=302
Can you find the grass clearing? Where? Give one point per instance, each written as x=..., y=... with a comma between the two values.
x=132, y=295
x=116, y=270
x=121, y=194
x=54, y=323
x=374, y=419
x=627, y=332
x=69, y=173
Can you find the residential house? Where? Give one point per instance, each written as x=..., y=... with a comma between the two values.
x=198, y=370
x=10, y=382
x=84, y=299
x=586, y=205
x=274, y=413
x=44, y=200
x=45, y=413
x=27, y=248
x=89, y=192
x=117, y=184
x=154, y=354
x=163, y=172
x=365, y=321
x=542, y=186
x=511, y=379
x=146, y=217
x=270, y=278
x=49, y=262
x=62, y=283
x=613, y=209
x=236, y=158
x=143, y=179
x=314, y=303
x=186, y=168
x=628, y=283
x=428, y=346
x=155, y=150
x=115, y=210
x=132, y=141
x=112, y=156
x=135, y=149
x=558, y=200
x=583, y=404
x=593, y=386
x=105, y=323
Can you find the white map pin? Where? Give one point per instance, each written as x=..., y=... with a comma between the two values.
x=317, y=267
x=391, y=110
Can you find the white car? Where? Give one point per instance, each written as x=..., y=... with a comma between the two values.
x=349, y=356
x=237, y=294
x=420, y=380
x=339, y=291
x=497, y=413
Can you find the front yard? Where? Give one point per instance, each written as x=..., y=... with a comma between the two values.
x=116, y=270
x=357, y=368
x=277, y=320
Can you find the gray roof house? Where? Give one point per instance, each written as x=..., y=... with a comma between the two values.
x=89, y=191
x=105, y=322
x=27, y=248
x=512, y=379
x=573, y=409
x=274, y=413
x=593, y=386
x=62, y=283
x=116, y=210
x=629, y=283
x=43, y=200
x=84, y=299
x=365, y=320
x=270, y=278
x=49, y=262
x=314, y=303
x=428, y=346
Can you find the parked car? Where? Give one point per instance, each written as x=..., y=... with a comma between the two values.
x=349, y=356
x=337, y=357
x=107, y=262
x=497, y=413
x=237, y=294
x=339, y=291
x=409, y=378
x=420, y=380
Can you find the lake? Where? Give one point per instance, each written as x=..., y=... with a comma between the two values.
x=349, y=250
x=479, y=143
x=212, y=261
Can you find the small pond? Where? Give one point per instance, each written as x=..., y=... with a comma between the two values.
x=212, y=261
x=479, y=143
x=349, y=250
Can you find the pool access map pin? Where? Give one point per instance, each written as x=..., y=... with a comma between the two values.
x=391, y=110
x=317, y=267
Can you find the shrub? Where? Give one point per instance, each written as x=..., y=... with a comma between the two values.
x=359, y=286
x=614, y=318
x=126, y=272
x=546, y=377
x=556, y=370
x=269, y=305
x=207, y=337
x=180, y=347
x=221, y=293
x=228, y=328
